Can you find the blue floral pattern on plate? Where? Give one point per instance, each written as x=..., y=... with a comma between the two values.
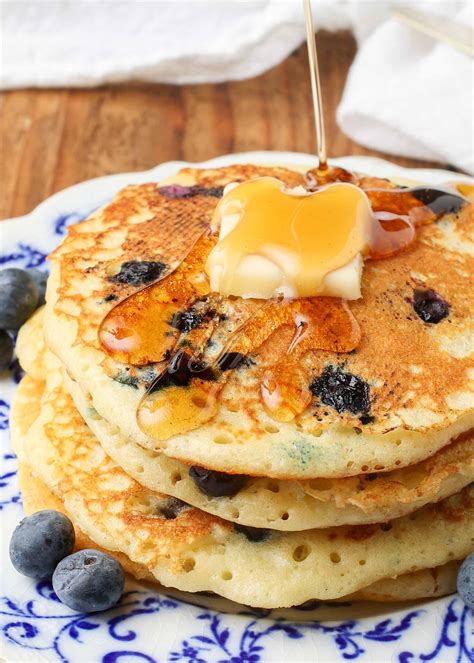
x=154, y=625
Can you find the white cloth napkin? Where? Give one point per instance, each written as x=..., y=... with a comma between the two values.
x=85, y=43
x=409, y=95
x=405, y=94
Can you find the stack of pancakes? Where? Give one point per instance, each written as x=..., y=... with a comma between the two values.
x=363, y=492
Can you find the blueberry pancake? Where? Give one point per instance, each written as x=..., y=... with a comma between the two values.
x=184, y=547
x=385, y=381
x=210, y=404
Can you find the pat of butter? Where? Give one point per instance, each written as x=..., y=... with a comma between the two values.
x=276, y=241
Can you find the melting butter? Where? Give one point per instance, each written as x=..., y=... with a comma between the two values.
x=291, y=242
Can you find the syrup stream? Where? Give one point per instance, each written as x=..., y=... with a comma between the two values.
x=315, y=87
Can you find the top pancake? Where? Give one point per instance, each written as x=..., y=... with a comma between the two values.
x=418, y=377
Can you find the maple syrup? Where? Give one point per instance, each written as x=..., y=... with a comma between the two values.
x=465, y=189
x=144, y=327
x=318, y=110
x=321, y=323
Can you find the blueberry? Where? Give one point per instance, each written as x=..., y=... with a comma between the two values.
x=89, y=581
x=40, y=279
x=253, y=534
x=214, y=192
x=6, y=350
x=230, y=360
x=342, y=391
x=176, y=191
x=182, y=369
x=19, y=296
x=429, y=306
x=138, y=272
x=40, y=541
x=312, y=604
x=216, y=484
x=188, y=319
x=180, y=191
x=439, y=201
x=172, y=507
x=466, y=581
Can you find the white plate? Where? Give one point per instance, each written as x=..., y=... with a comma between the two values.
x=150, y=625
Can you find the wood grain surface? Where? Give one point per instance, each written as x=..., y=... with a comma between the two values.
x=51, y=139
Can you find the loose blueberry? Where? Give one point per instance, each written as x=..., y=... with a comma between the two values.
x=40, y=541
x=466, y=581
x=138, y=272
x=216, y=484
x=6, y=350
x=40, y=279
x=429, y=306
x=19, y=296
x=342, y=391
x=89, y=581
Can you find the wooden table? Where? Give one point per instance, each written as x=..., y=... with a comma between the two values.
x=54, y=138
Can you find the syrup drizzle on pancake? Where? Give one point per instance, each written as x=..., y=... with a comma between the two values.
x=200, y=337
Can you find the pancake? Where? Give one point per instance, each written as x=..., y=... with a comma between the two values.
x=264, y=503
x=414, y=380
x=191, y=550
x=294, y=505
x=427, y=583
x=25, y=409
x=30, y=347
